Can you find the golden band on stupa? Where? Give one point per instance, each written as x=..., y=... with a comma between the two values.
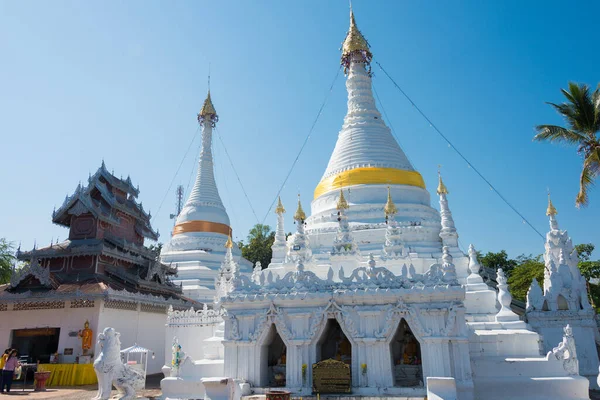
x=369, y=176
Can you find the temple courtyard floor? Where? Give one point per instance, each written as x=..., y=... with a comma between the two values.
x=151, y=392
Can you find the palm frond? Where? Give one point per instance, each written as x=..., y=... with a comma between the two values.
x=596, y=103
x=582, y=105
x=553, y=133
x=590, y=171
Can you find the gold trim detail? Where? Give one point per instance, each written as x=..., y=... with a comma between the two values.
x=201, y=226
x=370, y=176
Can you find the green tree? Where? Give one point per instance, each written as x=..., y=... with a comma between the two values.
x=260, y=239
x=589, y=269
x=581, y=112
x=497, y=260
x=522, y=275
x=584, y=251
x=155, y=248
x=7, y=258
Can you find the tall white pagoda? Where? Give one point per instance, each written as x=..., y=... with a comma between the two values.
x=365, y=162
x=197, y=246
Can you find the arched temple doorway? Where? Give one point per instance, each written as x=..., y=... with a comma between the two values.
x=406, y=357
x=274, y=357
x=334, y=343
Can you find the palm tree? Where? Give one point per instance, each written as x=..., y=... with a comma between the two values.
x=581, y=112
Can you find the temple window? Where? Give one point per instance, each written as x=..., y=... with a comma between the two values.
x=406, y=357
x=334, y=344
x=274, y=355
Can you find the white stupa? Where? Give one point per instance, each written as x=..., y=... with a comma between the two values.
x=197, y=246
x=371, y=296
x=365, y=162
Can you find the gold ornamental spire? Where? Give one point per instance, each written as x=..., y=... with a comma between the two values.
x=551, y=210
x=441, y=189
x=299, y=215
x=279, y=209
x=208, y=110
x=229, y=243
x=342, y=204
x=390, y=207
x=355, y=44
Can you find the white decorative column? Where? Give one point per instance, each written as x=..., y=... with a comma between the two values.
x=506, y=316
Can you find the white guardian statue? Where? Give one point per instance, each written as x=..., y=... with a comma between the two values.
x=111, y=370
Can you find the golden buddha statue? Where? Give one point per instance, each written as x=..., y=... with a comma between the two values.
x=86, y=336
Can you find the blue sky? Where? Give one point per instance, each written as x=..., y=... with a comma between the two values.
x=123, y=81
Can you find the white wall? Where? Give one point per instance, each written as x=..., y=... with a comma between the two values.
x=143, y=328
x=67, y=319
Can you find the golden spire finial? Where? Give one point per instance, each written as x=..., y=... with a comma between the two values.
x=279, y=209
x=355, y=43
x=299, y=215
x=390, y=207
x=342, y=204
x=229, y=244
x=551, y=210
x=441, y=189
x=208, y=109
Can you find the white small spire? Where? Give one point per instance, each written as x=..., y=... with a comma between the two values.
x=343, y=244
x=448, y=232
x=279, y=245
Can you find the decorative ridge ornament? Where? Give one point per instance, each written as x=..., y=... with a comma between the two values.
x=342, y=204
x=355, y=47
x=229, y=243
x=441, y=189
x=299, y=215
x=551, y=210
x=208, y=111
x=279, y=209
x=390, y=207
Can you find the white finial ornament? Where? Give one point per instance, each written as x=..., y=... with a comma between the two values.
x=474, y=267
x=505, y=299
x=448, y=268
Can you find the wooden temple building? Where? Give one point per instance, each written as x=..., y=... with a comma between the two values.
x=102, y=273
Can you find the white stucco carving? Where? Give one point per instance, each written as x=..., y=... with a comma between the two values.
x=110, y=370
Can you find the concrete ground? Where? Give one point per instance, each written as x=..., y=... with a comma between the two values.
x=152, y=391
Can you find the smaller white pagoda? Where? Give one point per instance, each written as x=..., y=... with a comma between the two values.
x=197, y=246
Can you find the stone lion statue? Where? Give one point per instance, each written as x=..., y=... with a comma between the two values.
x=111, y=370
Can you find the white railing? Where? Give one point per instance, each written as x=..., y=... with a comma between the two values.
x=194, y=317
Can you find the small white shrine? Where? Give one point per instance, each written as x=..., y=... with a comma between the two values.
x=374, y=279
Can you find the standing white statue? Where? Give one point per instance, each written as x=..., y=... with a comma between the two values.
x=110, y=370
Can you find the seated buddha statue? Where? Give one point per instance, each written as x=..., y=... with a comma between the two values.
x=410, y=352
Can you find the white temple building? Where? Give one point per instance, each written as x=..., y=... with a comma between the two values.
x=197, y=246
x=374, y=281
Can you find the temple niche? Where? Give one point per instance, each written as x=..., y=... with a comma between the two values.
x=406, y=357
x=274, y=359
x=334, y=344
